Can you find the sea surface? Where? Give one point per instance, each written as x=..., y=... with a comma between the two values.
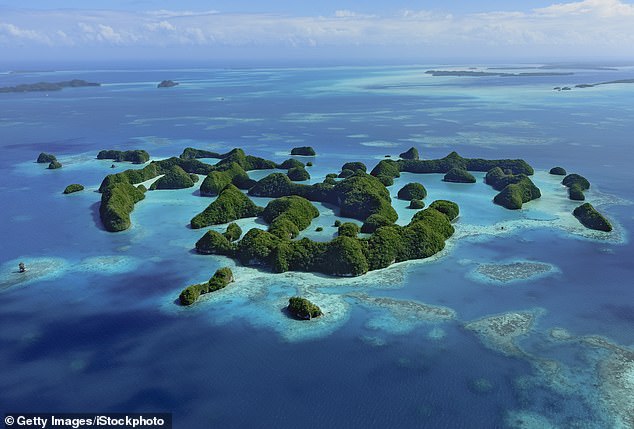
x=94, y=324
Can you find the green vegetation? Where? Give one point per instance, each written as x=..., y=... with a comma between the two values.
x=411, y=153
x=575, y=192
x=47, y=86
x=215, y=243
x=345, y=173
x=576, y=185
x=416, y=204
x=348, y=229
x=558, y=171
x=309, y=164
x=46, y=158
x=591, y=218
x=298, y=174
x=287, y=216
x=458, y=175
x=134, y=156
x=576, y=179
x=75, y=187
x=117, y=202
x=175, y=178
x=303, y=151
x=412, y=191
x=54, y=165
x=230, y=205
x=303, y=308
x=319, y=229
x=387, y=170
x=354, y=166
x=337, y=223
x=439, y=222
x=291, y=163
x=191, y=153
x=448, y=208
x=515, y=189
x=226, y=174
x=233, y=232
x=148, y=172
x=374, y=222
x=219, y=280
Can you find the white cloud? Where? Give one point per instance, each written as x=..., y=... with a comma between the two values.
x=598, y=8
x=590, y=27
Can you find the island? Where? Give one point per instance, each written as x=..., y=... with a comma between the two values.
x=576, y=185
x=54, y=165
x=474, y=73
x=46, y=158
x=302, y=308
x=303, y=151
x=47, y=86
x=219, y=280
x=230, y=205
x=558, y=171
x=134, y=156
x=298, y=174
x=459, y=175
x=416, y=204
x=515, y=189
x=75, y=187
x=166, y=84
x=591, y=218
x=411, y=153
x=412, y=191
x=175, y=178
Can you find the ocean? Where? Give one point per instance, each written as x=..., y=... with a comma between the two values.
x=537, y=325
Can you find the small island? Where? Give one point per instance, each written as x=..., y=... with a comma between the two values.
x=411, y=153
x=298, y=174
x=175, y=178
x=219, y=280
x=46, y=158
x=54, y=165
x=412, y=191
x=303, y=151
x=558, y=171
x=75, y=187
x=459, y=175
x=302, y=308
x=134, y=156
x=576, y=185
x=591, y=218
x=47, y=86
x=166, y=84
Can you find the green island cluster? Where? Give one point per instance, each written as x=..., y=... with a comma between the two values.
x=387, y=169
x=75, y=187
x=303, y=308
x=134, y=156
x=515, y=189
x=219, y=280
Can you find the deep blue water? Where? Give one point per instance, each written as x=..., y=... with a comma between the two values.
x=101, y=332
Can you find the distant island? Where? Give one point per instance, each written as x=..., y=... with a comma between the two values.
x=134, y=156
x=474, y=73
x=48, y=86
x=167, y=84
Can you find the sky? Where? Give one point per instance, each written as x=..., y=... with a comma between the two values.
x=343, y=30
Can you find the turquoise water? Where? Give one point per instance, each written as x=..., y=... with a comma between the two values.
x=93, y=325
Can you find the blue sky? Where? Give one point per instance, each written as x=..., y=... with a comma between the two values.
x=508, y=30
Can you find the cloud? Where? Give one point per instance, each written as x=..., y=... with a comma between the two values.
x=589, y=27
x=597, y=8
